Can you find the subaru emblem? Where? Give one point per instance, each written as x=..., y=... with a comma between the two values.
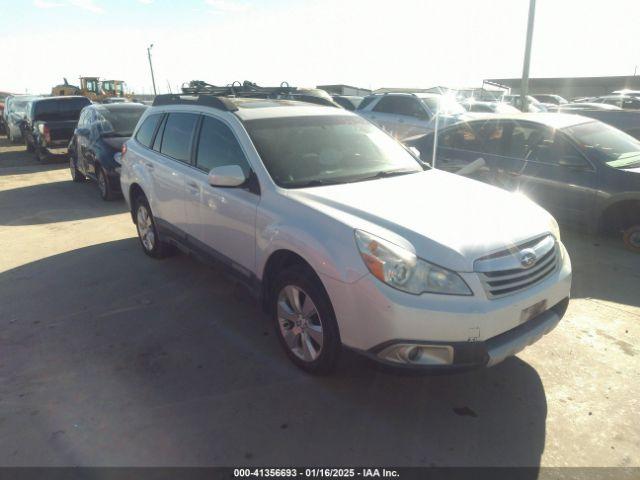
x=528, y=258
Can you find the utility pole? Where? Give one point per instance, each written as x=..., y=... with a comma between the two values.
x=524, y=89
x=153, y=80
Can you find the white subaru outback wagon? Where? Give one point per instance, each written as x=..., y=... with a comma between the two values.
x=343, y=235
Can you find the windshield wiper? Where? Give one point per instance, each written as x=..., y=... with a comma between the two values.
x=386, y=174
x=313, y=183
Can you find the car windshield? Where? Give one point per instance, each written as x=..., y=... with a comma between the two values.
x=607, y=144
x=443, y=104
x=119, y=122
x=18, y=106
x=327, y=149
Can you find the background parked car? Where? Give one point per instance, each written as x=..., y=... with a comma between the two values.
x=548, y=99
x=49, y=124
x=97, y=141
x=580, y=106
x=14, y=115
x=408, y=114
x=488, y=107
x=585, y=172
x=516, y=100
x=626, y=120
x=348, y=102
x=622, y=101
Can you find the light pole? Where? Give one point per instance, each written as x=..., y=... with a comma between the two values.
x=153, y=80
x=524, y=89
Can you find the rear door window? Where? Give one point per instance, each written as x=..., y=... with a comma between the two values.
x=177, y=136
x=146, y=130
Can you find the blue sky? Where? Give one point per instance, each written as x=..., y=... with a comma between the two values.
x=369, y=43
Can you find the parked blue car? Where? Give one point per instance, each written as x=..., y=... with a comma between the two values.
x=97, y=141
x=585, y=172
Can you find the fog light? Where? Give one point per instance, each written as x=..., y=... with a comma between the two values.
x=417, y=354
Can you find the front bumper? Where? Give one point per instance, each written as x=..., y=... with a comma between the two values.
x=480, y=331
x=468, y=355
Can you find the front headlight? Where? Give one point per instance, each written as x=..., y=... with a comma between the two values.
x=402, y=269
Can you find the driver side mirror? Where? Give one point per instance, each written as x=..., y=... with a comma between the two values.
x=82, y=132
x=227, y=176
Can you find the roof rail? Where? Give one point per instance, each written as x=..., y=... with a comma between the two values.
x=206, y=100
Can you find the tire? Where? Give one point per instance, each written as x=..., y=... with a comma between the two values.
x=631, y=238
x=42, y=154
x=147, y=230
x=104, y=186
x=76, y=175
x=308, y=332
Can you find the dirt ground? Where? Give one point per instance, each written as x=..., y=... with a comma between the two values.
x=108, y=357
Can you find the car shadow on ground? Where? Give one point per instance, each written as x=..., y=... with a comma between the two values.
x=602, y=268
x=55, y=202
x=113, y=358
x=16, y=155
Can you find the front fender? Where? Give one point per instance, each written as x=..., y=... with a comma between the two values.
x=607, y=202
x=334, y=254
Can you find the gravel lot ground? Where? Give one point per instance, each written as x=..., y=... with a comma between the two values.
x=110, y=358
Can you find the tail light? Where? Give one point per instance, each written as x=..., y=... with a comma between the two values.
x=124, y=149
x=47, y=134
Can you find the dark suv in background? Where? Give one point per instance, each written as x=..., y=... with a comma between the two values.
x=585, y=172
x=95, y=147
x=49, y=124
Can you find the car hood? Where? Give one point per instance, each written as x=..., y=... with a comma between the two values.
x=444, y=218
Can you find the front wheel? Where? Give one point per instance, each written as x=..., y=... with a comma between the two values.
x=304, y=320
x=631, y=238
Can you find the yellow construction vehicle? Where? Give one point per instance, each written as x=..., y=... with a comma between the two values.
x=92, y=88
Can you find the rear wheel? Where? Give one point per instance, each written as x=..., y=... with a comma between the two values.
x=631, y=238
x=42, y=154
x=76, y=175
x=147, y=230
x=304, y=320
x=104, y=186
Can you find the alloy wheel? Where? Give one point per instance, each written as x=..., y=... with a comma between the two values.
x=145, y=228
x=300, y=323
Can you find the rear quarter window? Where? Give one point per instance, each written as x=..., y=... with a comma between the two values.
x=144, y=134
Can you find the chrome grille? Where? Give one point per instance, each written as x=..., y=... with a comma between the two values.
x=502, y=273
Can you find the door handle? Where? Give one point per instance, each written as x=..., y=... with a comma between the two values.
x=192, y=184
x=149, y=165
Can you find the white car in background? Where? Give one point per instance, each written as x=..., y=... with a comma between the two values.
x=347, y=239
x=405, y=115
